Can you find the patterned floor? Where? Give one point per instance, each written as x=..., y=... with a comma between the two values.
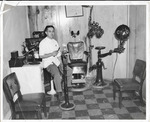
x=96, y=104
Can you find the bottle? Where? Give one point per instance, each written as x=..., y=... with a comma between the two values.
x=65, y=48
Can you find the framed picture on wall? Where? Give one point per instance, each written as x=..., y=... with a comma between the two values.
x=74, y=11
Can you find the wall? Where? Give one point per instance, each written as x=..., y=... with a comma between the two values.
x=108, y=17
x=137, y=43
x=15, y=30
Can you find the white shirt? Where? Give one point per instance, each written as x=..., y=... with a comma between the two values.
x=46, y=46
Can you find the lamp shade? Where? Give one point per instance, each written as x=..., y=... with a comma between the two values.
x=122, y=32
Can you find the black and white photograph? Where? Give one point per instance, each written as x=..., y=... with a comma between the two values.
x=74, y=61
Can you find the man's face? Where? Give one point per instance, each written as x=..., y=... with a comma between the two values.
x=50, y=32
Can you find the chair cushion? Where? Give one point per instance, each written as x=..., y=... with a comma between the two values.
x=127, y=84
x=29, y=102
x=81, y=63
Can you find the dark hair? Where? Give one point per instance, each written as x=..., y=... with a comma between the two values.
x=48, y=26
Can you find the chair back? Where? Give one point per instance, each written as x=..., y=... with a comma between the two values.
x=139, y=69
x=11, y=87
x=76, y=50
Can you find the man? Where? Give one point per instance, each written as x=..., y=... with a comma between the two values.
x=49, y=51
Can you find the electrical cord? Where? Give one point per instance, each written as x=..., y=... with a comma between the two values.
x=114, y=66
x=21, y=110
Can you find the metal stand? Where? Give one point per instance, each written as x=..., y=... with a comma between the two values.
x=52, y=91
x=99, y=83
x=66, y=105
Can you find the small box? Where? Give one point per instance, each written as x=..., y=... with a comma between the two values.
x=18, y=62
x=14, y=54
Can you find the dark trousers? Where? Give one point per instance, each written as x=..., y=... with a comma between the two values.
x=56, y=73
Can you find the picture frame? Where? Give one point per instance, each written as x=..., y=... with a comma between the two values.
x=74, y=11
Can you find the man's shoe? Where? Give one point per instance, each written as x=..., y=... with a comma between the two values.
x=60, y=96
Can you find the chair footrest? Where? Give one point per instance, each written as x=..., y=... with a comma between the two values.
x=78, y=80
x=48, y=84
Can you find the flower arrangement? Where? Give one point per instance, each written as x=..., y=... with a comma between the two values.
x=95, y=29
x=25, y=49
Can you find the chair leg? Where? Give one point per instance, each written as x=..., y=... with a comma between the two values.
x=44, y=107
x=39, y=114
x=141, y=97
x=22, y=115
x=14, y=115
x=114, y=91
x=120, y=99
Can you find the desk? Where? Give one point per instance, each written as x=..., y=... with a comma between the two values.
x=30, y=78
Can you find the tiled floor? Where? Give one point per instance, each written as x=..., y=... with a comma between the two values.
x=96, y=104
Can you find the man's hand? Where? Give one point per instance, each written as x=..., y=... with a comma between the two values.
x=54, y=53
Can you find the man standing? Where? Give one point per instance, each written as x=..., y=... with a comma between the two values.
x=49, y=51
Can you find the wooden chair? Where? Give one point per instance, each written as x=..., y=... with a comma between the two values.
x=22, y=103
x=131, y=84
